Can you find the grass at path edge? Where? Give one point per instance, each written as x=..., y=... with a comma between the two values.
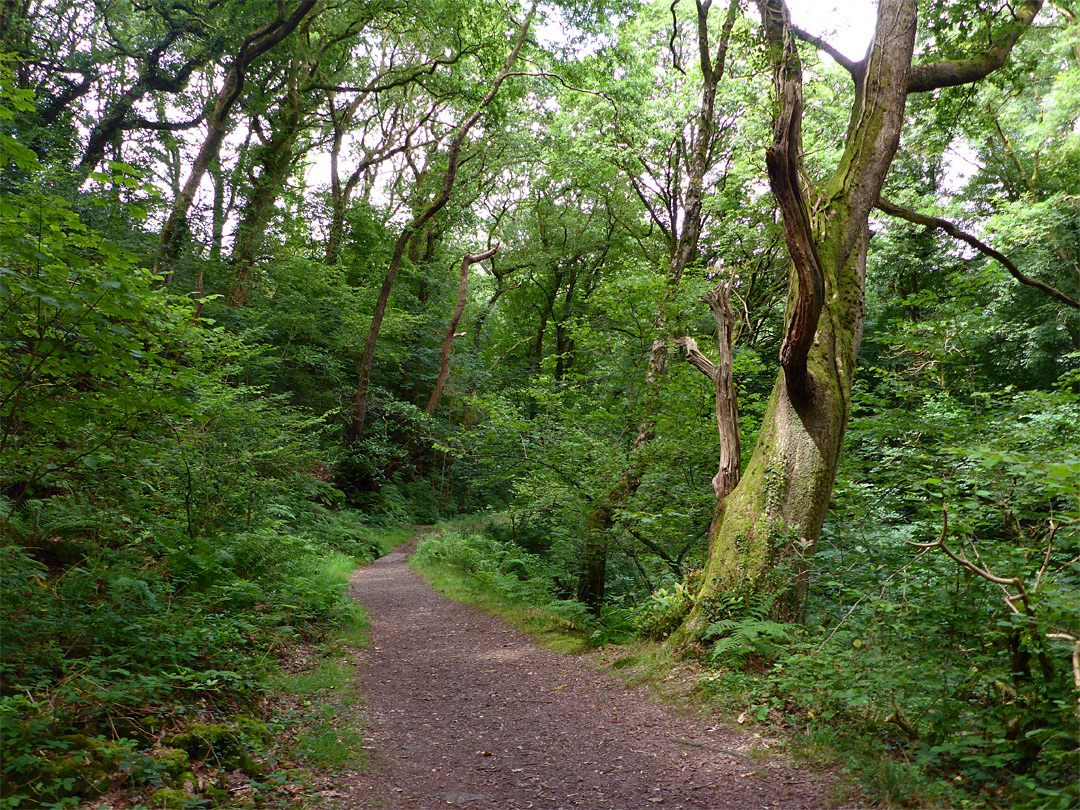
x=314, y=718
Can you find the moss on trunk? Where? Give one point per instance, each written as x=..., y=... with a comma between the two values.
x=770, y=523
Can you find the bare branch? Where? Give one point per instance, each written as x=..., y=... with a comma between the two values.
x=962, y=560
x=1046, y=558
x=674, y=36
x=658, y=550
x=444, y=364
x=504, y=354
x=851, y=66
x=695, y=358
x=952, y=230
x=725, y=396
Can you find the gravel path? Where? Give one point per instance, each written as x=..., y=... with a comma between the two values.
x=460, y=710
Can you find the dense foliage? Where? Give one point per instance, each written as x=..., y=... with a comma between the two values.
x=230, y=246
x=166, y=526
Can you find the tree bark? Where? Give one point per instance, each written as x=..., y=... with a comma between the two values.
x=684, y=250
x=726, y=397
x=954, y=72
x=217, y=226
x=765, y=532
x=772, y=519
x=275, y=159
x=783, y=159
x=254, y=45
x=360, y=400
x=448, y=341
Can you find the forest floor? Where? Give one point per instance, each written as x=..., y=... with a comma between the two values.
x=461, y=710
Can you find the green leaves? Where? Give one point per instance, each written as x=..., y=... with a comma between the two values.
x=922, y=654
x=76, y=363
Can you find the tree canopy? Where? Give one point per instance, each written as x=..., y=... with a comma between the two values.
x=741, y=344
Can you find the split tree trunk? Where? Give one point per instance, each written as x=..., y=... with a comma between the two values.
x=772, y=519
x=767, y=528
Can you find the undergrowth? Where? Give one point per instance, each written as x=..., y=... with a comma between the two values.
x=313, y=724
x=472, y=566
x=145, y=660
x=889, y=691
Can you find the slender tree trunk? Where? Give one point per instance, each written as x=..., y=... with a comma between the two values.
x=360, y=401
x=257, y=213
x=594, y=543
x=276, y=159
x=255, y=45
x=726, y=397
x=448, y=341
x=563, y=341
x=217, y=227
x=340, y=193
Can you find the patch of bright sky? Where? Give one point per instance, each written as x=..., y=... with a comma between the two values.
x=847, y=25
x=553, y=31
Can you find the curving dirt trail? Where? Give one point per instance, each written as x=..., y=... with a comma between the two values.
x=460, y=710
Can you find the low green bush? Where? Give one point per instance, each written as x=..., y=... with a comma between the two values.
x=134, y=644
x=497, y=569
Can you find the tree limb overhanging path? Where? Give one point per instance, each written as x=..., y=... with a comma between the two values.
x=460, y=710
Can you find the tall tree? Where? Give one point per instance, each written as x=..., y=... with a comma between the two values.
x=772, y=520
x=448, y=340
x=416, y=225
x=154, y=41
x=254, y=45
x=680, y=217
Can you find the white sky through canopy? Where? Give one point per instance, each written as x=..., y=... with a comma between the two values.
x=847, y=25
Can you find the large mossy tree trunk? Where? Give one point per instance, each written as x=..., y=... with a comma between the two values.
x=765, y=531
